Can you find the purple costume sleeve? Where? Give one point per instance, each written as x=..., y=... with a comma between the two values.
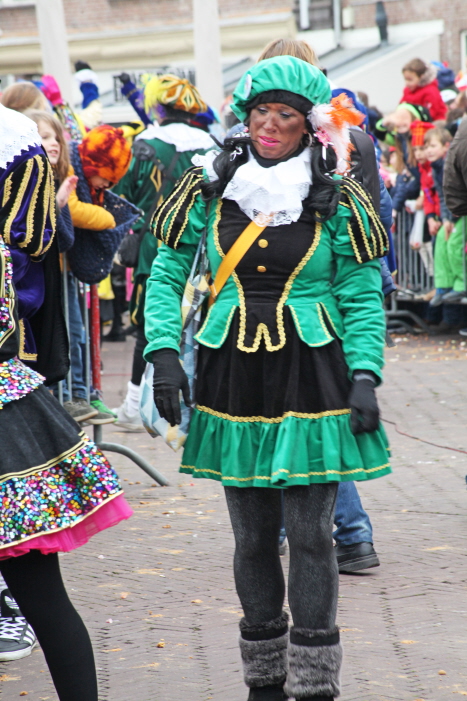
x=27, y=224
x=136, y=98
x=28, y=214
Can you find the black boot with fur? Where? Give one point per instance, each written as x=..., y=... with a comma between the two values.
x=315, y=660
x=264, y=654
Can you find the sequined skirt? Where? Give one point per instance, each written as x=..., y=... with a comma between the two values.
x=53, y=478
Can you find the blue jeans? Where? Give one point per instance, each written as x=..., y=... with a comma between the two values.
x=352, y=521
x=77, y=341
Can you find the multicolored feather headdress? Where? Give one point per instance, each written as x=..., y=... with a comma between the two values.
x=331, y=123
x=171, y=90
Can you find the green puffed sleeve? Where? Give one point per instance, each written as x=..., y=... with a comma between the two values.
x=179, y=223
x=358, y=239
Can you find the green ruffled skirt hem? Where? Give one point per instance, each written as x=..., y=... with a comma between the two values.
x=290, y=452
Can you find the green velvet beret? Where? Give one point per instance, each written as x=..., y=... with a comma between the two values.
x=284, y=73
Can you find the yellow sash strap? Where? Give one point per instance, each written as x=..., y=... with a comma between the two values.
x=233, y=257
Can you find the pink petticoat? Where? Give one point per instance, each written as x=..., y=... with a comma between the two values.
x=109, y=514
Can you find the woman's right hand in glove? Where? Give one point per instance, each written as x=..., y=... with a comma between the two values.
x=169, y=379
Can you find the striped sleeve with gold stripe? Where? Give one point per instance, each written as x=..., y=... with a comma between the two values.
x=366, y=246
x=171, y=217
x=28, y=206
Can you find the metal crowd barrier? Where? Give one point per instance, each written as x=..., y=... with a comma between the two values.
x=415, y=276
x=92, y=370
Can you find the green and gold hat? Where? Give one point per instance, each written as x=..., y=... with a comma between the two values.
x=283, y=79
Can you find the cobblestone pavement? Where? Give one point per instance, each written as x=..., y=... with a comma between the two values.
x=157, y=591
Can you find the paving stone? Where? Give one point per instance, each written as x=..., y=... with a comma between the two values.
x=174, y=634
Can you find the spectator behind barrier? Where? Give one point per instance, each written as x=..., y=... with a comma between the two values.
x=421, y=88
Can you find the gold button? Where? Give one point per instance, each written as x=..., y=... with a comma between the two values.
x=263, y=243
x=261, y=269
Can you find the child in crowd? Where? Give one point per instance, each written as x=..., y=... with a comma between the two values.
x=73, y=127
x=84, y=215
x=421, y=88
x=429, y=194
x=100, y=161
x=54, y=144
x=23, y=96
x=427, y=203
x=395, y=131
x=449, y=253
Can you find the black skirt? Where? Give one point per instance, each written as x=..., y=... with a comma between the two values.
x=36, y=432
x=296, y=378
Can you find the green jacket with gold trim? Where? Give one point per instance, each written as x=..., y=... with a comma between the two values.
x=336, y=285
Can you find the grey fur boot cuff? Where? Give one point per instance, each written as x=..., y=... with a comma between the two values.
x=264, y=651
x=315, y=660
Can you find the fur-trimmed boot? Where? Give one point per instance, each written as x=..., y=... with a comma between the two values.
x=264, y=654
x=315, y=660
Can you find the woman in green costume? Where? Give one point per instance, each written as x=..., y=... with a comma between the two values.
x=290, y=354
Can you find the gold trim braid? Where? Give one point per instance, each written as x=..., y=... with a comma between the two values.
x=170, y=219
x=18, y=200
x=50, y=463
x=275, y=420
x=304, y=475
x=22, y=355
x=262, y=330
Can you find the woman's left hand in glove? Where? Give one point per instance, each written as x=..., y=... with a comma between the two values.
x=169, y=380
x=364, y=416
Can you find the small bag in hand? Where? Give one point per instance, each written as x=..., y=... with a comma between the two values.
x=196, y=290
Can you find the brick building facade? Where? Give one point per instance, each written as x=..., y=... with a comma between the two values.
x=452, y=12
x=136, y=33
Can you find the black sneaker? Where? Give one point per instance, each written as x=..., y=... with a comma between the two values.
x=352, y=558
x=17, y=638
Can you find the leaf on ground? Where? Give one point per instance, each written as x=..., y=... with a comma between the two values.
x=441, y=671
x=160, y=645
x=196, y=601
x=114, y=649
x=23, y=693
x=409, y=642
x=8, y=678
x=124, y=594
x=167, y=526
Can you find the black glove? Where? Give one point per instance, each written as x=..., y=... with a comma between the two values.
x=365, y=412
x=124, y=78
x=169, y=379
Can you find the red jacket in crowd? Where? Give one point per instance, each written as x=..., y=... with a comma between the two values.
x=427, y=96
x=431, y=200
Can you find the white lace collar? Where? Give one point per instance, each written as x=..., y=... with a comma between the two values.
x=17, y=134
x=271, y=196
x=180, y=135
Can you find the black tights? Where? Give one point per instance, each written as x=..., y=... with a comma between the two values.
x=255, y=513
x=35, y=582
x=139, y=363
